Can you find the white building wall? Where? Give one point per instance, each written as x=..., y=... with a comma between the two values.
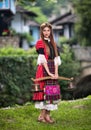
x=56, y=36
x=66, y=31
x=35, y=31
x=18, y=24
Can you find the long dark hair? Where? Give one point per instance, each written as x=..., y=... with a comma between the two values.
x=51, y=35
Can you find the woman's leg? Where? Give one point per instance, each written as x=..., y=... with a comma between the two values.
x=48, y=118
x=41, y=117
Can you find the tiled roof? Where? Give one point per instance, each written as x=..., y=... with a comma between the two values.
x=66, y=18
x=33, y=23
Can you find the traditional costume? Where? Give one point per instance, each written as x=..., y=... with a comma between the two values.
x=51, y=60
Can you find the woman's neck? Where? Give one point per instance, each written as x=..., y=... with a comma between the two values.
x=45, y=38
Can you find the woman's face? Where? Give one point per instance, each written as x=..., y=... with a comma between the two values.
x=46, y=32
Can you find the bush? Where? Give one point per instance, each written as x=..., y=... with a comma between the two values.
x=15, y=79
x=70, y=41
x=10, y=51
x=69, y=68
x=17, y=66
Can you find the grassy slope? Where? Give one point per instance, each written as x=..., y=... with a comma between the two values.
x=71, y=115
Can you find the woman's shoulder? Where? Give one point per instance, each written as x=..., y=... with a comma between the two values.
x=39, y=44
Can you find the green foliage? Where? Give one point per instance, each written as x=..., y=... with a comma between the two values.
x=12, y=32
x=15, y=79
x=69, y=68
x=10, y=51
x=32, y=51
x=26, y=36
x=36, y=9
x=83, y=10
x=17, y=66
x=89, y=96
x=25, y=1
x=46, y=6
x=73, y=115
x=64, y=40
x=67, y=54
x=41, y=17
x=50, y=7
x=4, y=33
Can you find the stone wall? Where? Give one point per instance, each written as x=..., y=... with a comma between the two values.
x=9, y=41
x=82, y=53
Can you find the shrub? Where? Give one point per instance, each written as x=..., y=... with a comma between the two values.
x=15, y=79
x=17, y=66
x=69, y=68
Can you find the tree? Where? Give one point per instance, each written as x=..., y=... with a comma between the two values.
x=83, y=25
x=48, y=7
x=41, y=17
x=29, y=5
x=23, y=1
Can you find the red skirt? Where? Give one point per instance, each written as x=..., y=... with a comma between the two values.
x=41, y=72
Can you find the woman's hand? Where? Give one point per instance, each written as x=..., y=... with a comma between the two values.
x=52, y=75
x=56, y=76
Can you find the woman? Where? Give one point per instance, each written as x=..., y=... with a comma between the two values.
x=48, y=62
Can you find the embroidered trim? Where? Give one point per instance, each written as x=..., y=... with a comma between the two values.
x=42, y=105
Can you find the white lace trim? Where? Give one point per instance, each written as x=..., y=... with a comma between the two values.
x=41, y=59
x=42, y=105
x=57, y=60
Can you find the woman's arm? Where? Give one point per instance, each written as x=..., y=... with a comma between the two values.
x=57, y=62
x=56, y=71
x=47, y=69
x=42, y=60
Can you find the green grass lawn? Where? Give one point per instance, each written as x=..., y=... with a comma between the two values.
x=71, y=115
